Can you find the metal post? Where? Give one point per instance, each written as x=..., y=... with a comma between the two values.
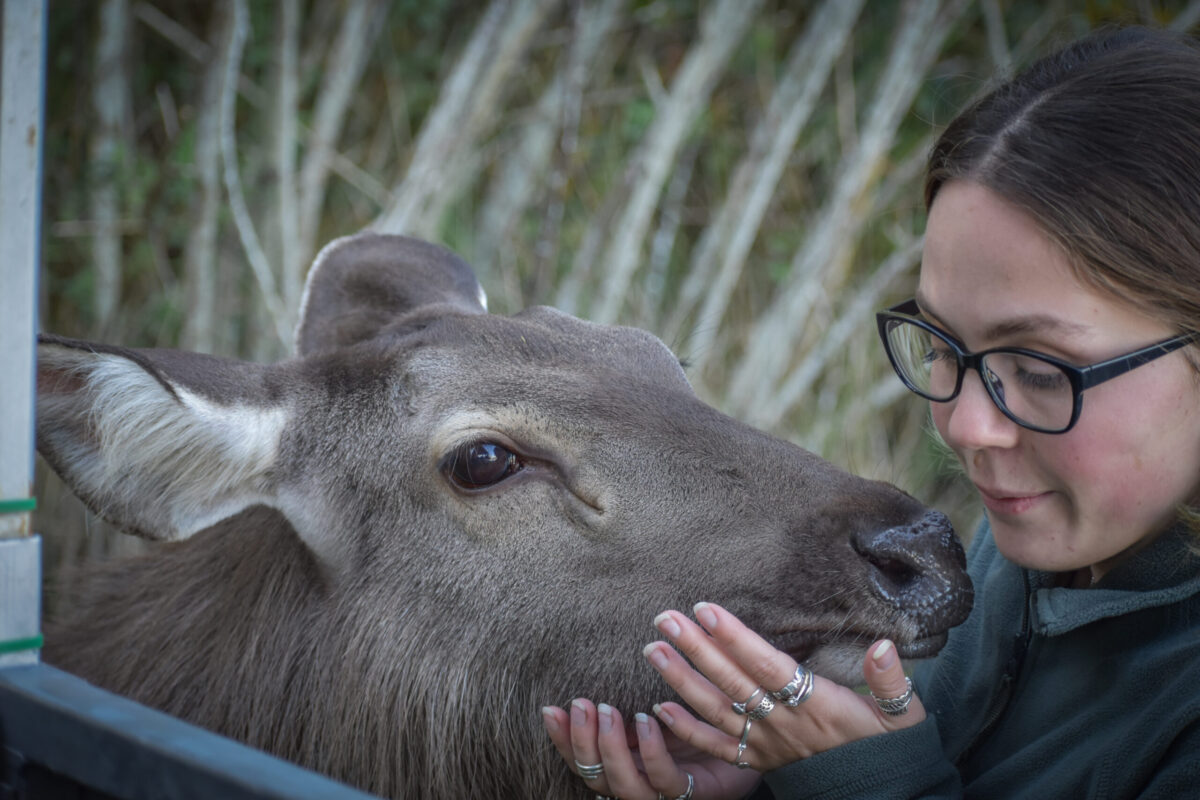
x=22, y=93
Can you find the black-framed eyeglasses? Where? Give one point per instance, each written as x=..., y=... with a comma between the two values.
x=1034, y=390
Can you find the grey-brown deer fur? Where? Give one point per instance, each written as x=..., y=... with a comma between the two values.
x=325, y=591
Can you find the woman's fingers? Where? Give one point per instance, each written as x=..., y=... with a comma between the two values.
x=659, y=774
x=752, y=655
x=732, y=672
x=584, y=734
x=558, y=725
x=620, y=770
x=594, y=736
x=890, y=687
x=707, y=775
x=736, y=663
x=698, y=734
x=703, y=695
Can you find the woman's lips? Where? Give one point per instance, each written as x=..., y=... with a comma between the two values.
x=1002, y=502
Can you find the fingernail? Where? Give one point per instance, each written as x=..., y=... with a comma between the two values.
x=549, y=719
x=885, y=654
x=643, y=725
x=705, y=615
x=662, y=714
x=654, y=652
x=604, y=716
x=667, y=625
x=578, y=714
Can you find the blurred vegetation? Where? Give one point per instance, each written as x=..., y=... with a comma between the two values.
x=526, y=136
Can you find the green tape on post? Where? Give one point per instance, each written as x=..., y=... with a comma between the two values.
x=22, y=505
x=20, y=645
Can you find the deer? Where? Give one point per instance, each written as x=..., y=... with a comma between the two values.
x=381, y=557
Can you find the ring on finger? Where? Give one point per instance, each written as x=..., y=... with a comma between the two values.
x=764, y=707
x=737, y=760
x=895, y=706
x=590, y=772
x=687, y=795
x=797, y=690
x=740, y=708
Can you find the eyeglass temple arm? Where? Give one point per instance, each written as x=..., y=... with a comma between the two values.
x=1106, y=370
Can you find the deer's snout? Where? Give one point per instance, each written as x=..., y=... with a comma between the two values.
x=920, y=569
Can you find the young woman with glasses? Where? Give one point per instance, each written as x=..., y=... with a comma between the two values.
x=1053, y=333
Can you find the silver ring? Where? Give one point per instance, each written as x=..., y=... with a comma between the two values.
x=590, y=772
x=895, y=706
x=737, y=760
x=797, y=690
x=740, y=708
x=686, y=795
x=764, y=707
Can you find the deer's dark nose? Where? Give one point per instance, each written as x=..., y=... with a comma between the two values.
x=920, y=569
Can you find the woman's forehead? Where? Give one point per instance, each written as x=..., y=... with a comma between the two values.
x=990, y=273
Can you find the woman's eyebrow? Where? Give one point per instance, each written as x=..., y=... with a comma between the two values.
x=1032, y=323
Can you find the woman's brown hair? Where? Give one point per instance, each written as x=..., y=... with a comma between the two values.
x=1100, y=143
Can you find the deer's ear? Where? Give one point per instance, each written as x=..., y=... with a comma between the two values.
x=132, y=435
x=359, y=286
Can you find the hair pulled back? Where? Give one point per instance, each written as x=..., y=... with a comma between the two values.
x=1100, y=144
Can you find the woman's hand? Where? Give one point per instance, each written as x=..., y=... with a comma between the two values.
x=735, y=662
x=731, y=662
x=642, y=763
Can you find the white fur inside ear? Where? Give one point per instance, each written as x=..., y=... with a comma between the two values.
x=187, y=460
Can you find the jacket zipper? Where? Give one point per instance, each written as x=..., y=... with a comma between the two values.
x=1012, y=668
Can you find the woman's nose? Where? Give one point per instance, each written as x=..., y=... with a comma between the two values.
x=972, y=420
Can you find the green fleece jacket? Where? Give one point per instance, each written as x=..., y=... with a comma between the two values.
x=1045, y=692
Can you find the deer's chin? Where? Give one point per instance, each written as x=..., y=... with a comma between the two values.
x=841, y=660
x=837, y=658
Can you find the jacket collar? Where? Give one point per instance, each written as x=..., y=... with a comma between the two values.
x=1164, y=572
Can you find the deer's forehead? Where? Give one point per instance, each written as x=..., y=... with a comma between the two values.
x=540, y=341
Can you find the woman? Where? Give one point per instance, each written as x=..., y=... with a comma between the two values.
x=1053, y=332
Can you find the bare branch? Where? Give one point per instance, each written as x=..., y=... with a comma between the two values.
x=173, y=32
x=821, y=264
x=1188, y=18
x=200, y=257
x=510, y=50
x=110, y=142
x=847, y=99
x=997, y=39
x=727, y=241
x=662, y=243
x=555, y=117
x=441, y=165
x=194, y=47
x=721, y=31
x=287, y=80
x=436, y=139
x=233, y=183
x=201, y=52
x=849, y=321
x=342, y=73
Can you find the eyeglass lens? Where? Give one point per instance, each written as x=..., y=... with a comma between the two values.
x=1033, y=391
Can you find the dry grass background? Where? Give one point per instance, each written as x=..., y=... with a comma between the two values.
x=741, y=177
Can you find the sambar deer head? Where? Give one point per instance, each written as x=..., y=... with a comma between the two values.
x=383, y=556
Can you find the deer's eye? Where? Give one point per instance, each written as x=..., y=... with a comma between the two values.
x=481, y=464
